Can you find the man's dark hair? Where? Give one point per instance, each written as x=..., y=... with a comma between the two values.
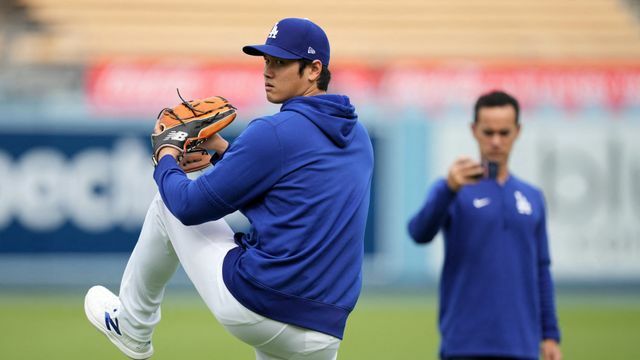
x=496, y=98
x=325, y=74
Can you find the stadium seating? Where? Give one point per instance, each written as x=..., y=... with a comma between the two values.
x=79, y=30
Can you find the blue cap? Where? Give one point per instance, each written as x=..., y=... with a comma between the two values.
x=294, y=38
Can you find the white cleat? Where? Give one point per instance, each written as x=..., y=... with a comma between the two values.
x=102, y=307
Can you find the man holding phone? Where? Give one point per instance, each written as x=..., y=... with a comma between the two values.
x=496, y=290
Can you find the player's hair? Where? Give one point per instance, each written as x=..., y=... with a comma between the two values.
x=496, y=98
x=325, y=74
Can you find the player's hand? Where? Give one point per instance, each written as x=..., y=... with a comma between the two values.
x=168, y=151
x=216, y=143
x=463, y=171
x=550, y=350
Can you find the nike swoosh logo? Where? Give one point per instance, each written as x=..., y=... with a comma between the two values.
x=480, y=203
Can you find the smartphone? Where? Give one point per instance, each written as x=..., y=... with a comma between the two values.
x=490, y=170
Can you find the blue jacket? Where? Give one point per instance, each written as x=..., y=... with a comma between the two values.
x=496, y=291
x=302, y=177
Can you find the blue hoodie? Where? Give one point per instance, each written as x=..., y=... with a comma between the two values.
x=302, y=177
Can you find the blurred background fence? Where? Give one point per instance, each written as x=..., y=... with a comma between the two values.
x=81, y=82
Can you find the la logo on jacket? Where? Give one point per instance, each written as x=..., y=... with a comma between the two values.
x=522, y=204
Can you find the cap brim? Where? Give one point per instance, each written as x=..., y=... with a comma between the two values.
x=259, y=50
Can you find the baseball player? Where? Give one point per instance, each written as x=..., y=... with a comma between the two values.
x=302, y=177
x=496, y=290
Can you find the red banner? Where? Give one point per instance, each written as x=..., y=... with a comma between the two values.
x=139, y=89
x=134, y=89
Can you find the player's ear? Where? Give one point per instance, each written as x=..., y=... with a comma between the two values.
x=314, y=70
x=474, y=128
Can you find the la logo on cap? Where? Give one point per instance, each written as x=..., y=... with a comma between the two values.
x=274, y=32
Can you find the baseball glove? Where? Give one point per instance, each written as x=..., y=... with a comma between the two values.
x=190, y=123
x=194, y=160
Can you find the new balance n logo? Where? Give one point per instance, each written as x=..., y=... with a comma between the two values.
x=109, y=322
x=176, y=135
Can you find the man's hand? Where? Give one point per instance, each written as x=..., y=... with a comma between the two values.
x=216, y=143
x=168, y=151
x=550, y=350
x=463, y=171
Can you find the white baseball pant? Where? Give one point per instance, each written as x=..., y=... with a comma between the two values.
x=164, y=243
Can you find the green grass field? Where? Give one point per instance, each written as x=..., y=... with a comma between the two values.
x=41, y=326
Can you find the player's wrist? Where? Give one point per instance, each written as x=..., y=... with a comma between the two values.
x=217, y=144
x=220, y=147
x=168, y=151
